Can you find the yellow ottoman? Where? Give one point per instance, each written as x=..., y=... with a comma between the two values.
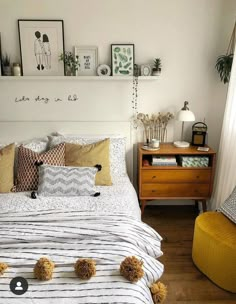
x=214, y=248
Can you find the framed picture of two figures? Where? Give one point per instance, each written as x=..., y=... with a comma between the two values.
x=41, y=43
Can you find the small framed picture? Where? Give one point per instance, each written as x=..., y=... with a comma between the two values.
x=41, y=43
x=146, y=70
x=122, y=59
x=104, y=70
x=88, y=59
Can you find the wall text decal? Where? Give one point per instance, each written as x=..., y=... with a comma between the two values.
x=44, y=99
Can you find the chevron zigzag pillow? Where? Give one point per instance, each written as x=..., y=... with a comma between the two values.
x=66, y=181
x=228, y=208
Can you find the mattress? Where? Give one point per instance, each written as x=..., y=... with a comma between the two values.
x=107, y=229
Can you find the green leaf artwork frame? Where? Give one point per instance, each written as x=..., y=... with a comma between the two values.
x=122, y=59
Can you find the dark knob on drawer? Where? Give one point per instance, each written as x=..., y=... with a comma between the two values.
x=153, y=191
x=197, y=176
x=154, y=176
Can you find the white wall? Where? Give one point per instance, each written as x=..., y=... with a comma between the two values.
x=188, y=35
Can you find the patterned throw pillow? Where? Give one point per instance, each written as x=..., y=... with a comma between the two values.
x=66, y=181
x=27, y=171
x=228, y=208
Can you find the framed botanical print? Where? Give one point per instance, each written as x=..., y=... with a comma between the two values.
x=88, y=60
x=122, y=59
x=41, y=43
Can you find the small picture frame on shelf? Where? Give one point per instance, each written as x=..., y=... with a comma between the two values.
x=146, y=70
x=122, y=59
x=41, y=43
x=88, y=60
x=103, y=70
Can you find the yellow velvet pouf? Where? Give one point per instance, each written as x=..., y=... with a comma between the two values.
x=214, y=249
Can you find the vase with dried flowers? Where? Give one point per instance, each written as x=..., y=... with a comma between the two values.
x=154, y=126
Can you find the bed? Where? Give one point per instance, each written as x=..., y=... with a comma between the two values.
x=106, y=228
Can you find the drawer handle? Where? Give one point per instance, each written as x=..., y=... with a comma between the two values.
x=154, y=176
x=154, y=191
x=197, y=176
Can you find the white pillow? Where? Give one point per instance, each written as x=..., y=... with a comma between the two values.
x=67, y=181
x=38, y=145
x=117, y=148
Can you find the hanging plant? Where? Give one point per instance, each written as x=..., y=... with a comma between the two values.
x=224, y=62
x=135, y=91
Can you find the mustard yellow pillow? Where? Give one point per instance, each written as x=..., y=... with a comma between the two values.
x=89, y=156
x=7, y=155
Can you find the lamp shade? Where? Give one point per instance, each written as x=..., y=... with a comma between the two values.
x=185, y=115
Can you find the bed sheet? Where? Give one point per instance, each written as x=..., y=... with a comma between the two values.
x=121, y=197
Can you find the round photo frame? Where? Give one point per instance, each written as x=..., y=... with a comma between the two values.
x=146, y=70
x=103, y=70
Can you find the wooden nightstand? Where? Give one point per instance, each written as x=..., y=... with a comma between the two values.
x=174, y=182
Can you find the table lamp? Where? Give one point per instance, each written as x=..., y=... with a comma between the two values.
x=184, y=115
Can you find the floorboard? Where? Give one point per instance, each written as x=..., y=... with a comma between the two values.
x=185, y=283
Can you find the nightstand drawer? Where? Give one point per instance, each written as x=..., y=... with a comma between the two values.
x=175, y=190
x=175, y=176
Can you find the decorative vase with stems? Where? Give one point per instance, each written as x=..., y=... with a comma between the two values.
x=71, y=63
x=155, y=127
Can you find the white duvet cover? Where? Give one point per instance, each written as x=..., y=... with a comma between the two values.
x=106, y=228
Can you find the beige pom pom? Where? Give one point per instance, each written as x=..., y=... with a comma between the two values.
x=3, y=267
x=85, y=268
x=43, y=269
x=159, y=292
x=131, y=269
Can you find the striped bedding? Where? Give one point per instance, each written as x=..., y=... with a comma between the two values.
x=65, y=235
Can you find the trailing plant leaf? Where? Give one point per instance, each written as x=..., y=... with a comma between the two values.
x=117, y=49
x=223, y=66
x=120, y=64
x=116, y=70
x=129, y=51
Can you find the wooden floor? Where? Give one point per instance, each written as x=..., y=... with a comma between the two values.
x=185, y=283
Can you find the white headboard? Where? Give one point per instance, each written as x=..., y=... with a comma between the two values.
x=15, y=131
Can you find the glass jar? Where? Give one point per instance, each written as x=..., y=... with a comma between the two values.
x=16, y=69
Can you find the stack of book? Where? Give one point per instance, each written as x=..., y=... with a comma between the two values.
x=164, y=160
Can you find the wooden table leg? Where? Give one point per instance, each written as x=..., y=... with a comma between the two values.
x=143, y=205
x=204, y=206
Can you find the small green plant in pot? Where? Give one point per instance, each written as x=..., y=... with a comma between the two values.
x=71, y=63
x=224, y=62
x=156, y=67
x=6, y=65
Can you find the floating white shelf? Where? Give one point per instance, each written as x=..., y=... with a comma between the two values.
x=77, y=78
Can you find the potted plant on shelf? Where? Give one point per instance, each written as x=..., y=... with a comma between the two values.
x=224, y=62
x=6, y=65
x=157, y=67
x=71, y=63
